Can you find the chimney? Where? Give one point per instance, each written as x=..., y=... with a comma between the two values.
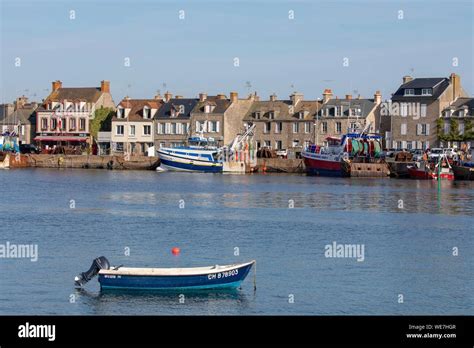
x=221, y=96
x=168, y=96
x=327, y=94
x=349, y=96
x=296, y=98
x=202, y=97
x=455, y=81
x=254, y=97
x=179, y=97
x=407, y=79
x=377, y=97
x=273, y=97
x=234, y=96
x=105, y=86
x=158, y=97
x=57, y=85
x=20, y=102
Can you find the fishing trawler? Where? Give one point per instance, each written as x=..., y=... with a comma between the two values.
x=355, y=154
x=428, y=171
x=202, y=154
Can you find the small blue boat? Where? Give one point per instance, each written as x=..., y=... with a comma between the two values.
x=196, y=278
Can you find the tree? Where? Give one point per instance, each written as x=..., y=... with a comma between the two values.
x=454, y=131
x=102, y=121
x=468, y=131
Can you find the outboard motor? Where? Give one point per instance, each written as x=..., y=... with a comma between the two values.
x=98, y=264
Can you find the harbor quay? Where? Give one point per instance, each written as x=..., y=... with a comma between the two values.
x=425, y=121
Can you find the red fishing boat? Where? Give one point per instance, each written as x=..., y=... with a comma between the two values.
x=429, y=171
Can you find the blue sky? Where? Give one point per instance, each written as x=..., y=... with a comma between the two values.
x=276, y=54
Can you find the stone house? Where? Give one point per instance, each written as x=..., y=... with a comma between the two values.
x=64, y=116
x=283, y=124
x=133, y=125
x=173, y=121
x=460, y=112
x=21, y=120
x=337, y=116
x=415, y=108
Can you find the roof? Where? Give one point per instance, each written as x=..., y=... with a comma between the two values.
x=22, y=115
x=221, y=105
x=282, y=110
x=137, y=106
x=438, y=84
x=365, y=106
x=461, y=104
x=176, y=108
x=88, y=94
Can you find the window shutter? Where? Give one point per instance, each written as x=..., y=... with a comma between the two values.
x=205, y=127
x=198, y=128
x=217, y=126
x=427, y=144
x=167, y=128
x=418, y=129
x=423, y=110
x=428, y=129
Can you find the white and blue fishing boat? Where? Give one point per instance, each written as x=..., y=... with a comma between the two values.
x=199, y=155
x=196, y=278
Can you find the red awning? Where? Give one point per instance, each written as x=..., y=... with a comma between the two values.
x=60, y=138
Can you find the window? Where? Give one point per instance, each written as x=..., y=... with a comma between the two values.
x=357, y=111
x=447, y=127
x=278, y=145
x=300, y=115
x=173, y=128
x=213, y=126
x=403, y=129
x=256, y=115
x=409, y=145
x=307, y=127
x=353, y=126
x=147, y=130
x=336, y=111
x=72, y=124
x=161, y=128
x=267, y=143
x=162, y=144
x=259, y=144
x=461, y=128
x=422, y=129
x=426, y=91
x=306, y=144
x=119, y=129
x=82, y=124
x=409, y=92
x=146, y=112
x=207, y=108
x=338, y=127
x=423, y=110
x=119, y=147
x=278, y=127
x=399, y=145
x=44, y=123
x=120, y=113
x=132, y=130
x=271, y=115
x=403, y=109
x=267, y=127
x=296, y=127
x=54, y=124
x=296, y=143
x=324, y=127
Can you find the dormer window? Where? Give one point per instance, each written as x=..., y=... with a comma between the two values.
x=257, y=115
x=207, y=108
x=120, y=113
x=146, y=112
x=426, y=91
x=271, y=115
x=409, y=92
x=300, y=115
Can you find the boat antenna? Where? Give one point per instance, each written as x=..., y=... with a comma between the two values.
x=255, y=276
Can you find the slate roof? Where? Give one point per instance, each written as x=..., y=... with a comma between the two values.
x=22, y=115
x=87, y=94
x=136, y=106
x=221, y=105
x=365, y=105
x=166, y=110
x=438, y=84
x=461, y=104
x=282, y=110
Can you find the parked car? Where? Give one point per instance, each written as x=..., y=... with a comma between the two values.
x=435, y=153
x=29, y=148
x=417, y=155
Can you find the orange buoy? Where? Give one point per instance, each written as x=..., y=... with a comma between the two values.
x=175, y=251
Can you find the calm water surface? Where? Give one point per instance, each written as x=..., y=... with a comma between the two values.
x=407, y=230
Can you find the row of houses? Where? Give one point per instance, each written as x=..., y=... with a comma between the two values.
x=422, y=113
